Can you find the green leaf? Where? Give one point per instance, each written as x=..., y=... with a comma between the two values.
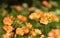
x=35, y=23
x=1, y=32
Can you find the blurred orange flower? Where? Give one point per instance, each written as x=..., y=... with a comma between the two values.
x=33, y=33
x=31, y=8
x=19, y=31
x=21, y=18
x=34, y=16
x=52, y=16
x=38, y=14
x=42, y=36
x=30, y=36
x=44, y=20
x=45, y=3
x=18, y=8
x=28, y=25
x=7, y=35
x=7, y=21
x=26, y=30
x=41, y=13
x=8, y=28
x=38, y=31
x=54, y=33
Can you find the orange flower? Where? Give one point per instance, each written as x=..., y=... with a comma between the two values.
x=26, y=30
x=45, y=3
x=54, y=33
x=58, y=36
x=18, y=8
x=51, y=37
x=38, y=31
x=30, y=37
x=33, y=33
x=52, y=16
x=42, y=36
x=41, y=13
x=19, y=31
x=34, y=16
x=44, y=21
x=7, y=35
x=31, y=9
x=22, y=18
x=7, y=21
x=28, y=25
x=8, y=28
x=51, y=34
x=37, y=15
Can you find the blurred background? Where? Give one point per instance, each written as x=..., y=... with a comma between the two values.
x=27, y=7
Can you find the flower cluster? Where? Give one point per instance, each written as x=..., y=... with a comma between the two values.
x=54, y=33
x=35, y=32
x=8, y=21
x=24, y=30
x=44, y=18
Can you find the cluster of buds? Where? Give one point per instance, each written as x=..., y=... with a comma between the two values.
x=25, y=30
x=35, y=32
x=54, y=33
x=44, y=18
